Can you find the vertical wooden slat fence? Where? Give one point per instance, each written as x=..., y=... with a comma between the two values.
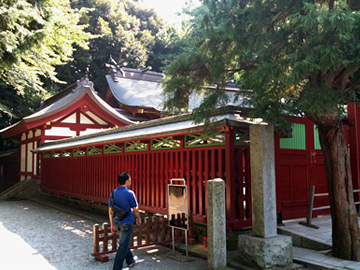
x=93, y=177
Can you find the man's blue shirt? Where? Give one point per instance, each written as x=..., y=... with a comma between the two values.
x=125, y=199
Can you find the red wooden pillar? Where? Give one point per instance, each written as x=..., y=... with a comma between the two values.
x=354, y=137
x=230, y=175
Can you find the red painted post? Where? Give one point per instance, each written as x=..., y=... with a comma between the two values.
x=147, y=230
x=139, y=234
x=163, y=181
x=153, y=181
x=105, y=236
x=96, y=238
x=230, y=173
x=200, y=195
x=148, y=201
x=158, y=191
x=133, y=235
x=162, y=226
x=194, y=183
x=155, y=230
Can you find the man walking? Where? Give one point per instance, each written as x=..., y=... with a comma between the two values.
x=124, y=198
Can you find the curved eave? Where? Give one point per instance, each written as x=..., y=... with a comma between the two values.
x=135, y=108
x=150, y=129
x=14, y=129
x=86, y=91
x=115, y=94
x=32, y=121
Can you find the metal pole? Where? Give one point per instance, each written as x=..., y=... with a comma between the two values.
x=186, y=243
x=173, y=239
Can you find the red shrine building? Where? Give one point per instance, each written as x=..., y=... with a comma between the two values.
x=75, y=111
x=77, y=143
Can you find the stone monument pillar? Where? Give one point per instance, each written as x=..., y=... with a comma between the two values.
x=265, y=249
x=216, y=224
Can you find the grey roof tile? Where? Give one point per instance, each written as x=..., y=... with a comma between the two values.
x=136, y=92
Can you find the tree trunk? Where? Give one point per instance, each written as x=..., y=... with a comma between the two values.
x=345, y=226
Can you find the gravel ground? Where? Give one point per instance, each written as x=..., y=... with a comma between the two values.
x=38, y=237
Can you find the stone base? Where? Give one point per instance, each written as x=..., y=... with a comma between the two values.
x=266, y=253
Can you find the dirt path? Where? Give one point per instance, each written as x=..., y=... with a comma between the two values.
x=38, y=237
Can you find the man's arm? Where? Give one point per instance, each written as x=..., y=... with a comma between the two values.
x=113, y=230
x=137, y=214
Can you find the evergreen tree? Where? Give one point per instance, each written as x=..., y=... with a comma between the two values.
x=123, y=29
x=288, y=57
x=35, y=36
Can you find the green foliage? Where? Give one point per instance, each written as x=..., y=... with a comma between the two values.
x=124, y=29
x=34, y=37
x=295, y=56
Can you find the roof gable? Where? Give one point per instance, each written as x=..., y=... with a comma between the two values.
x=84, y=91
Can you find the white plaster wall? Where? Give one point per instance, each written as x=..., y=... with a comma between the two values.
x=70, y=119
x=23, y=158
x=29, y=157
x=59, y=131
x=96, y=118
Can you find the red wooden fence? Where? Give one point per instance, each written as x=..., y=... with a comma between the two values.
x=154, y=230
x=94, y=177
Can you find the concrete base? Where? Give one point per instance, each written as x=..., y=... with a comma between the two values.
x=266, y=253
x=179, y=257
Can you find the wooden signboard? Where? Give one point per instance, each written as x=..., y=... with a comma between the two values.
x=178, y=205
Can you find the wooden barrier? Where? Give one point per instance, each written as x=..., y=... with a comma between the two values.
x=152, y=231
x=311, y=207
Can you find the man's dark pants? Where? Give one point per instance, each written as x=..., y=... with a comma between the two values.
x=123, y=252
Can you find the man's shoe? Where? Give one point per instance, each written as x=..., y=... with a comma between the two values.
x=134, y=262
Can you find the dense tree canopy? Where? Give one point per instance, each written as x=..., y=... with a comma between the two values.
x=125, y=30
x=277, y=50
x=35, y=36
x=45, y=44
x=288, y=57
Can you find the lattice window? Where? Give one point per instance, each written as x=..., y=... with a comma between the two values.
x=78, y=153
x=112, y=148
x=135, y=146
x=213, y=138
x=46, y=155
x=242, y=137
x=92, y=151
x=164, y=143
x=55, y=155
x=65, y=154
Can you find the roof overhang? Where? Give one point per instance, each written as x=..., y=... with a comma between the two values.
x=170, y=126
x=8, y=153
x=48, y=113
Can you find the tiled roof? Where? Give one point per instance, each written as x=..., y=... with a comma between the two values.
x=159, y=127
x=136, y=92
x=137, y=88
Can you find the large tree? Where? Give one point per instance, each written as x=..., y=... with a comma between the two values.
x=124, y=29
x=35, y=36
x=289, y=57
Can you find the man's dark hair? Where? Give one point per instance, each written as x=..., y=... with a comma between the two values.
x=123, y=177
